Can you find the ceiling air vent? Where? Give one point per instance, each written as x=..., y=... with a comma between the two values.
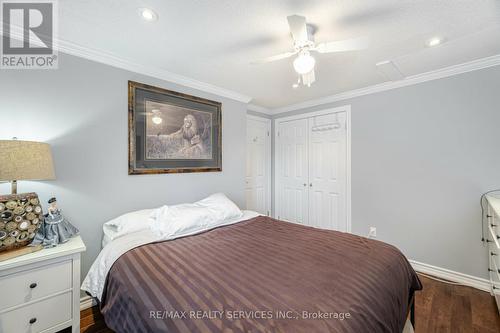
x=389, y=70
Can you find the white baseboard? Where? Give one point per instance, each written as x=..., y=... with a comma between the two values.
x=446, y=274
x=86, y=302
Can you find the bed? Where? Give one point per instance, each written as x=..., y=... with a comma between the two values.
x=257, y=275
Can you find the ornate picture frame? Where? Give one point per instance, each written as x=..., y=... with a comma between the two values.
x=172, y=132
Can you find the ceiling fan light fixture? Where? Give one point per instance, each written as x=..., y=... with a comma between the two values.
x=304, y=63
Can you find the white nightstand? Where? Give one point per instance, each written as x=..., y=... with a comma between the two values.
x=40, y=291
x=493, y=238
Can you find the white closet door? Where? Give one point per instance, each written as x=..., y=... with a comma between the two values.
x=293, y=171
x=327, y=171
x=258, y=170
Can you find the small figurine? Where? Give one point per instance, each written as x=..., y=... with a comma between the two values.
x=55, y=229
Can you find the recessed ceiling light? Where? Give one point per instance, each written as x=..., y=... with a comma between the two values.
x=435, y=41
x=148, y=14
x=295, y=85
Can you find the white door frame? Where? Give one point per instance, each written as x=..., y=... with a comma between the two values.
x=278, y=121
x=268, y=122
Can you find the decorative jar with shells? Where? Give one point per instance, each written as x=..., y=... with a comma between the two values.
x=20, y=217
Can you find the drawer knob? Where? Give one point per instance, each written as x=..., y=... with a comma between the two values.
x=33, y=285
x=32, y=321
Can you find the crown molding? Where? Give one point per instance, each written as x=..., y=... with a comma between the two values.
x=156, y=72
x=260, y=109
x=408, y=81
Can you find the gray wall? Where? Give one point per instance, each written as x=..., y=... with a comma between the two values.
x=81, y=110
x=421, y=157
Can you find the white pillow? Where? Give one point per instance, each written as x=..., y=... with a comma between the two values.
x=180, y=220
x=171, y=222
x=126, y=224
x=224, y=208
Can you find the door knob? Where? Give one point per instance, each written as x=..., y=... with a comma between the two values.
x=305, y=184
x=311, y=185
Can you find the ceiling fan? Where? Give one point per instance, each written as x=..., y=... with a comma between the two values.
x=303, y=44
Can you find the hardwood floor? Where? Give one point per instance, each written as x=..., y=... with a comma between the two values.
x=91, y=321
x=442, y=307
x=439, y=308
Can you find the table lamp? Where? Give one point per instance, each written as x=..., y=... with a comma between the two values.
x=25, y=160
x=21, y=215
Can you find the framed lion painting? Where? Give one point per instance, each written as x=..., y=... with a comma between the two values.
x=171, y=132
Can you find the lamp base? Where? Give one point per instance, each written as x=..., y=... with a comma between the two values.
x=20, y=217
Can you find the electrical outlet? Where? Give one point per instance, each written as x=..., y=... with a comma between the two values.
x=372, y=232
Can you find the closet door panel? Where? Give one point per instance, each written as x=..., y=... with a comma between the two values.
x=327, y=171
x=257, y=174
x=293, y=171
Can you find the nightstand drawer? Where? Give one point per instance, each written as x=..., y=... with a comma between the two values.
x=26, y=286
x=495, y=255
x=38, y=316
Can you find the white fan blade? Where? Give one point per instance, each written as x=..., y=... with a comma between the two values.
x=298, y=28
x=308, y=78
x=343, y=45
x=274, y=58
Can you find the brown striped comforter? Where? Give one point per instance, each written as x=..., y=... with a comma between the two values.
x=260, y=275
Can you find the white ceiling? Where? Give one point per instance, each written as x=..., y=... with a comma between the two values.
x=215, y=41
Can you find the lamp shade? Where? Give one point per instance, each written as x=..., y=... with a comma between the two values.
x=25, y=160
